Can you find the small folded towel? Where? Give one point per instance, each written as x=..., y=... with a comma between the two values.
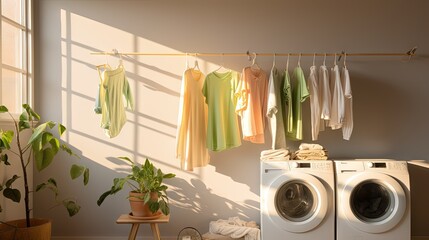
x=277, y=154
x=310, y=146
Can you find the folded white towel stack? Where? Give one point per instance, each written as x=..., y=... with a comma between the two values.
x=308, y=151
x=310, y=146
x=275, y=154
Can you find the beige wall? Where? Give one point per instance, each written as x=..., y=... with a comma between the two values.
x=389, y=93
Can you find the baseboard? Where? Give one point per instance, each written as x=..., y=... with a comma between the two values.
x=164, y=238
x=420, y=238
x=112, y=238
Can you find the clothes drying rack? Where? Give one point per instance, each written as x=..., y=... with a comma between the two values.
x=410, y=53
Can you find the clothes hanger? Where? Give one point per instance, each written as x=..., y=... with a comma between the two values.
x=221, y=65
x=287, y=63
x=105, y=65
x=314, y=59
x=345, y=58
x=324, y=60
x=196, y=66
x=274, y=62
x=254, y=65
x=335, y=59
x=299, y=60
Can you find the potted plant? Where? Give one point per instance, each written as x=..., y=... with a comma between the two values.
x=39, y=150
x=148, y=196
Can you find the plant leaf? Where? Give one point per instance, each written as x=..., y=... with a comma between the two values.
x=126, y=159
x=31, y=112
x=12, y=194
x=86, y=176
x=67, y=150
x=52, y=181
x=154, y=206
x=5, y=139
x=39, y=130
x=72, y=207
x=40, y=187
x=61, y=129
x=76, y=171
x=164, y=207
x=102, y=197
x=3, y=109
x=169, y=175
x=44, y=158
x=23, y=121
x=11, y=180
x=146, y=197
x=4, y=158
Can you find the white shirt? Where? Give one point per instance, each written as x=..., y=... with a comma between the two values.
x=275, y=110
x=313, y=84
x=348, y=104
x=337, y=105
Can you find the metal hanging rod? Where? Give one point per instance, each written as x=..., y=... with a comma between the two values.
x=410, y=53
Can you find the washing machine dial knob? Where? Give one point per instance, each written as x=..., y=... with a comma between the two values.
x=370, y=164
x=294, y=164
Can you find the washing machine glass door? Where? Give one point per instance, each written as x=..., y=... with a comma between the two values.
x=297, y=202
x=374, y=202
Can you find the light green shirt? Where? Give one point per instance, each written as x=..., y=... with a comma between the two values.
x=115, y=96
x=287, y=98
x=299, y=95
x=222, y=127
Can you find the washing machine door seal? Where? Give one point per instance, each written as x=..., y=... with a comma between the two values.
x=373, y=202
x=296, y=202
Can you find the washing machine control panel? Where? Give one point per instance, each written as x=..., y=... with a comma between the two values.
x=318, y=166
x=376, y=164
x=388, y=165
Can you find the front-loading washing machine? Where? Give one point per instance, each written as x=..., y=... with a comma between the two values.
x=373, y=200
x=297, y=200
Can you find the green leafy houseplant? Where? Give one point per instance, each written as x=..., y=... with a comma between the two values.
x=145, y=179
x=41, y=148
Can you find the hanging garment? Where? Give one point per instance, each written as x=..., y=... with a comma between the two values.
x=252, y=104
x=222, y=129
x=325, y=96
x=348, y=104
x=337, y=105
x=299, y=95
x=313, y=83
x=287, y=91
x=192, y=122
x=276, y=106
x=115, y=95
x=97, y=104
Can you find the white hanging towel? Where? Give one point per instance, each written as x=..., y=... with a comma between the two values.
x=235, y=228
x=337, y=106
x=348, y=104
x=313, y=84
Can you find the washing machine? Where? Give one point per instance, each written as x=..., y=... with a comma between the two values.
x=297, y=200
x=373, y=200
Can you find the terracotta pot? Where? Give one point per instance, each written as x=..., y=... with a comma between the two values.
x=16, y=230
x=138, y=207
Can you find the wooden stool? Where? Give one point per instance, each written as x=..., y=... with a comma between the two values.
x=125, y=219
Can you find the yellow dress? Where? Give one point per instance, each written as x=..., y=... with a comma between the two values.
x=191, y=136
